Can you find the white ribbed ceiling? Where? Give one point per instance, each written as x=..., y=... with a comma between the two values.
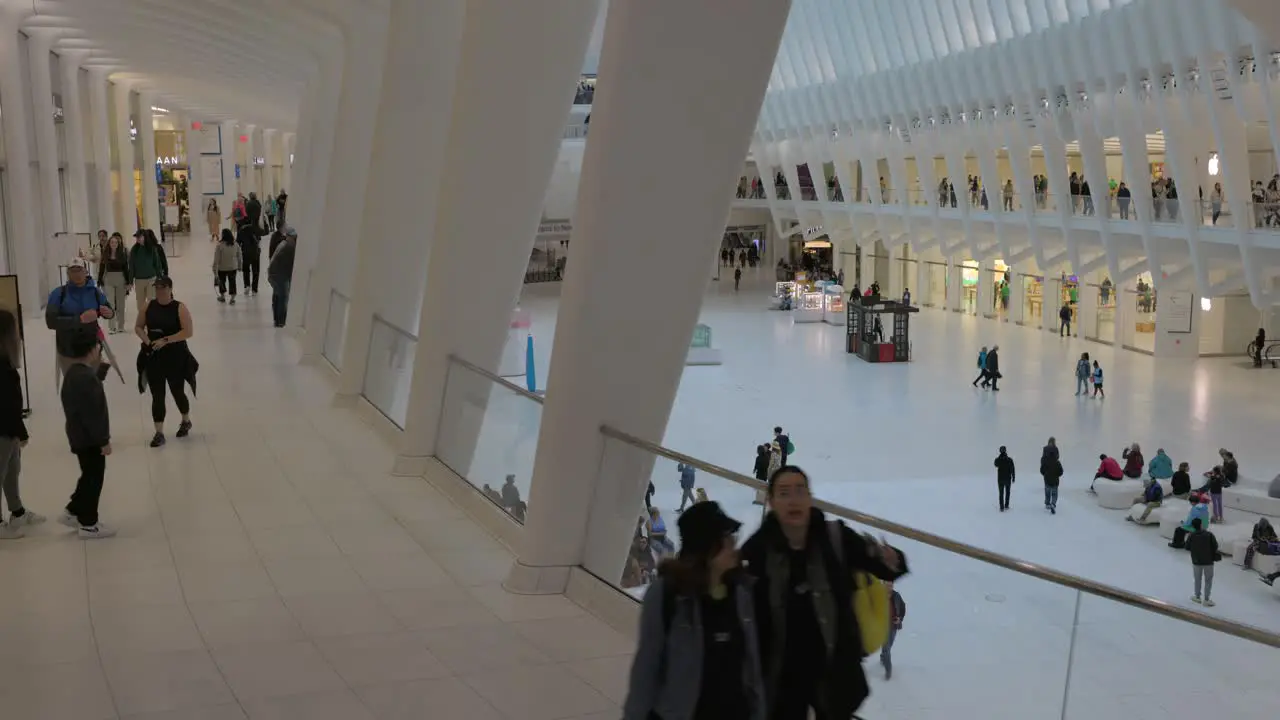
x=247, y=60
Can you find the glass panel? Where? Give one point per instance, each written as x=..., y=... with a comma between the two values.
x=489, y=433
x=623, y=545
x=389, y=371
x=335, y=332
x=1131, y=663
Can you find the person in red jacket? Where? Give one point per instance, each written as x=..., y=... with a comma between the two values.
x=1109, y=469
x=1133, y=461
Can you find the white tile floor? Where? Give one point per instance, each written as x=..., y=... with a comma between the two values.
x=268, y=567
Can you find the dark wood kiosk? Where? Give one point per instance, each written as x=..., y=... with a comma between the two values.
x=867, y=342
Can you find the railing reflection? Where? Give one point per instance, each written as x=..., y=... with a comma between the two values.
x=388, y=372
x=335, y=329
x=488, y=434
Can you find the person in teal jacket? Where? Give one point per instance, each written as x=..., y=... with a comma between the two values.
x=1161, y=466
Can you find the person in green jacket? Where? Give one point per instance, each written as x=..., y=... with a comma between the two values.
x=147, y=262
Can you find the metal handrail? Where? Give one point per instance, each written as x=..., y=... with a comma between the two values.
x=1142, y=602
x=491, y=377
x=396, y=328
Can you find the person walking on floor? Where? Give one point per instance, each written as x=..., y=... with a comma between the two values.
x=115, y=279
x=688, y=479
x=1051, y=471
x=1064, y=321
x=250, y=243
x=1005, y=476
x=74, y=308
x=88, y=426
x=897, y=611
x=147, y=262
x=982, y=369
x=164, y=326
x=1097, y=381
x=213, y=217
x=737, y=278
x=993, y=367
x=810, y=639
x=226, y=264
x=13, y=430
x=1082, y=375
x=280, y=272
x=698, y=654
x=1203, y=546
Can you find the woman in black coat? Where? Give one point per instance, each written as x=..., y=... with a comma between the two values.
x=1051, y=470
x=810, y=643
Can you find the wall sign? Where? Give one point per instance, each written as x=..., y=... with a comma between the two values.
x=211, y=174
x=1178, y=307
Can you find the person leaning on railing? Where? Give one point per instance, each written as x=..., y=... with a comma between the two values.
x=810, y=640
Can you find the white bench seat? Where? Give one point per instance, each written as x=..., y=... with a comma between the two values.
x=1117, y=494
x=1251, y=498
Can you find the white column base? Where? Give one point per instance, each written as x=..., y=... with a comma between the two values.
x=528, y=580
x=410, y=465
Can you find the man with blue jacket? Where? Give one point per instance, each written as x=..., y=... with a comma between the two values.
x=73, y=309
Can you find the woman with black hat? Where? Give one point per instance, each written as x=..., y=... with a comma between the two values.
x=810, y=642
x=698, y=656
x=164, y=326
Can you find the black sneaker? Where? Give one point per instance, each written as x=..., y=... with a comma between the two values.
x=157, y=440
x=184, y=429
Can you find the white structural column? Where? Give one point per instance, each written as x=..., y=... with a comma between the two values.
x=271, y=152
x=229, y=187
x=423, y=49
x=147, y=137
x=125, y=194
x=289, y=140
x=472, y=230
x=195, y=184
x=39, y=43
x=602, y=333
x=22, y=257
x=344, y=195
x=99, y=109
x=73, y=123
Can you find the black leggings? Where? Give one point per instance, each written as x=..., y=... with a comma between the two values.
x=177, y=385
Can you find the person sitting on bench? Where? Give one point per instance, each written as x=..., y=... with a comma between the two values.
x=1134, y=463
x=1181, y=482
x=1199, y=509
x=1152, y=496
x=1263, y=541
x=1109, y=469
x=1161, y=466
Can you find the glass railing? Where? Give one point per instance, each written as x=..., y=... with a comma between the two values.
x=576, y=131
x=389, y=370
x=1077, y=649
x=335, y=330
x=488, y=434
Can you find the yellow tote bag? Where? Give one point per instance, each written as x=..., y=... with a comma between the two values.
x=871, y=607
x=870, y=600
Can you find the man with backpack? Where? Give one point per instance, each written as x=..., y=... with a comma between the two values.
x=72, y=311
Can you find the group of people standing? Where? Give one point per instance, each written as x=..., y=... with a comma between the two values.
x=240, y=251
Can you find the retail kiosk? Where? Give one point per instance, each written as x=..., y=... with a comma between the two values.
x=807, y=308
x=892, y=343
x=833, y=312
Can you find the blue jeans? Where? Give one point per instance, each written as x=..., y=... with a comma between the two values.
x=279, y=300
x=886, y=650
x=1082, y=385
x=1050, y=496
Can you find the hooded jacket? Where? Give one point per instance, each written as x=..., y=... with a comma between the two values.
x=1203, y=546
x=1110, y=468
x=843, y=685
x=1050, y=466
x=1132, y=463
x=1160, y=467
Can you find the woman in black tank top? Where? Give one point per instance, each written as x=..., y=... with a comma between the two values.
x=164, y=326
